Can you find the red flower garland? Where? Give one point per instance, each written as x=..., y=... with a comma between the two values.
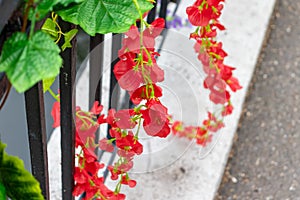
x=205, y=14
x=138, y=73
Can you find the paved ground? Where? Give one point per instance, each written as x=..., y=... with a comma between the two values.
x=265, y=161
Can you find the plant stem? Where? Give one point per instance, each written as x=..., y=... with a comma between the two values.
x=138, y=128
x=53, y=94
x=25, y=18
x=32, y=25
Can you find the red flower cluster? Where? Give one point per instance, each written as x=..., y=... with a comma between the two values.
x=137, y=64
x=211, y=53
x=137, y=72
x=205, y=14
x=201, y=134
x=203, y=11
x=86, y=175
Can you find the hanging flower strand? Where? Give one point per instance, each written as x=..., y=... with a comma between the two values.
x=205, y=14
x=138, y=73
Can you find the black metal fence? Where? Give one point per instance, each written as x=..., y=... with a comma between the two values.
x=10, y=21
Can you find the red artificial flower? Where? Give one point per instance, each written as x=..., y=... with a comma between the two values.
x=129, y=143
x=225, y=71
x=214, y=3
x=127, y=181
x=114, y=173
x=130, y=75
x=118, y=196
x=123, y=119
x=132, y=42
x=126, y=154
x=127, y=72
x=91, y=185
x=218, y=25
x=234, y=84
x=85, y=130
x=155, y=28
x=125, y=166
x=204, y=140
x=92, y=167
x=116, y=170
x=214, y=83
x=219, y=97
x=199, y=16
x=212, y=123
x=96, y=108
x=205, y=60
x=217, y=51
x=227, y=110
x=89, y=155
x=217, y=86
x=106, y=145
x=111, y=117
x=78, y=140
x=81, y=176
x=144, y=93
x=208, y=33
x=55, y=113
x=156, y=122
x=177, y=127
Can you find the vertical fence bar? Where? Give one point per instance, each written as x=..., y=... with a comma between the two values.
x=114, y=90
x=67, y=104
x=163, y=8
x=152, y=14
x=35, y=114
x=96, y=68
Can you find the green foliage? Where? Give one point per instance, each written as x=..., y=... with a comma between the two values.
x=50, y=27
x=27, y=61
x=47, y=83
x=46, y=6
x=68, y=37
x=2, y=192
x=18, y=182
x=104, y=16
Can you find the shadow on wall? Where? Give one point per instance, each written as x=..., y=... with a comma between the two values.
x=13, y=127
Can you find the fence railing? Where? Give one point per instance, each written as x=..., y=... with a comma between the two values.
x=34, y=97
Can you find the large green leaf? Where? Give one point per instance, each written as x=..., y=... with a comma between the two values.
x=104, y=16
x=2, y=191
x=46, y=6
x=27, y=61
x=18, y=182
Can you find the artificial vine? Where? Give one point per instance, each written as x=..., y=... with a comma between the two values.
x=33, y=55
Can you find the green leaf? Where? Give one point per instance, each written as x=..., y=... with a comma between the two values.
x=2, y=191
x=104, y=16
x=46, y=6
x=18, y=182
x=28, y=61
x=67, y=2
x=50, y=27
x=68, y=37
x=47, y=83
